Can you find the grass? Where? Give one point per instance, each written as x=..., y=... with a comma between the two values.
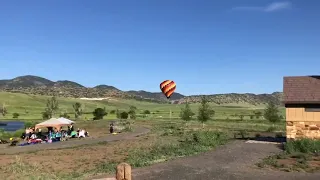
x=30, y=107
x=7, y=135
x=161, y=148
x=192, y=143
x=299, y=155
x=226, y=117
x=307, y=146
x=169, y=138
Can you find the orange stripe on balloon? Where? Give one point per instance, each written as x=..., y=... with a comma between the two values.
x=164, y=83
x=169, y=86
x=170, y=92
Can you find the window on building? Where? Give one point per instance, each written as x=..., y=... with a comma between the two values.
x=315, y=109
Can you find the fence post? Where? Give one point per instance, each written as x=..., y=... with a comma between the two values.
x=123, y=172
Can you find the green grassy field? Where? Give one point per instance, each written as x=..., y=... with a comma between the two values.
x=167, y=140
x=30, y=107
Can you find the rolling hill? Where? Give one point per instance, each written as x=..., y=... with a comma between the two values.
x=35, y=85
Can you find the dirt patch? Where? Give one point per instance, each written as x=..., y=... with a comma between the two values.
x=291, y=163
x=73, y=160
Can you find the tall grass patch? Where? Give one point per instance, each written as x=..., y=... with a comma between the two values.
x=302, y=146
x=195, y=142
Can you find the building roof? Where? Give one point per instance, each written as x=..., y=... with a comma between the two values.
x=301, y=90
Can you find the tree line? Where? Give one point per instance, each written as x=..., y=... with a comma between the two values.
x=52, y=108
x=206, y=113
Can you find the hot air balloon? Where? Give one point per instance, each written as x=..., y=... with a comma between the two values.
x=168, y=87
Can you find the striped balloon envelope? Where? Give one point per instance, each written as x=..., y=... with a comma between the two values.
x=168, y=87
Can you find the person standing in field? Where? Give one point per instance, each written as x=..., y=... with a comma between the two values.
x=27, y=134
x=111, y=128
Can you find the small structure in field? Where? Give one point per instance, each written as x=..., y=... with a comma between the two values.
x=302, y=102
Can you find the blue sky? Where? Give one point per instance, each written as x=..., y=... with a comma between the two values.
x=205, y=46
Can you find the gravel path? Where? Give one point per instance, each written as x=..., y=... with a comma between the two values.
x=73, y=143
x=234, y=161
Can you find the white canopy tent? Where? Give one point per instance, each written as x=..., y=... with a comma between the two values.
x=54, y=122
x=65, y=120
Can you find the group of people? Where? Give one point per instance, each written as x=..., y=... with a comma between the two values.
x=32, y=135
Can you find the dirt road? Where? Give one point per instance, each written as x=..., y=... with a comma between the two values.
x=234, y=161
x=74, y=142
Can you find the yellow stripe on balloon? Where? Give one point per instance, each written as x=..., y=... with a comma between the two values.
x=164, y=83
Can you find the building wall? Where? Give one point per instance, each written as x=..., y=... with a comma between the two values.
x=302, y=124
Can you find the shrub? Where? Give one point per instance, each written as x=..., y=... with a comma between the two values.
x=45, y=115
x=280, y=135
x=146, y=112
x=99, y=113
x=243, y=133
x=29, y=124
x=7, y=135
x=208, y=138
x=124, y=115
x=271, y=113
x=112, y=111
x=65, y=115
x=15, y=115
x=302, y=146
x=271, y=129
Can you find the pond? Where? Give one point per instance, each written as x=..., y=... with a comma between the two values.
x=11, y=125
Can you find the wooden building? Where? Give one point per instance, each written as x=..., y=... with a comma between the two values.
x=302, y=101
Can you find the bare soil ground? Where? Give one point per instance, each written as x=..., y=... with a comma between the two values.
x=234, y=161
x=77, y=156
x=298, y=162
x=5, y=149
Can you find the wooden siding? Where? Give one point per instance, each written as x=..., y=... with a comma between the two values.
x=302, y=124
x=299, y=114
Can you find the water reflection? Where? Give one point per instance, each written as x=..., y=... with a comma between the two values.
x=11, y=125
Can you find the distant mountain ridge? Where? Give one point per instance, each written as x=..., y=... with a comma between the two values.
x=30, y=84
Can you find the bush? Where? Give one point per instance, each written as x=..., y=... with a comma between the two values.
x=271, y=129
x=280, y=135
x=45, y=115
x=124, y=115
x=243, y=133
x=65, y=115
x=112, y=111
x=29, y=124
x=172, y=130
x=302, y=146
x=146, y=112
x=15, y=115
x=7, y=135
x=271, y=113
x=208, y=138
x=99, y=113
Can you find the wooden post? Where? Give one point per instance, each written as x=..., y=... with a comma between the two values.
x=123, y=172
